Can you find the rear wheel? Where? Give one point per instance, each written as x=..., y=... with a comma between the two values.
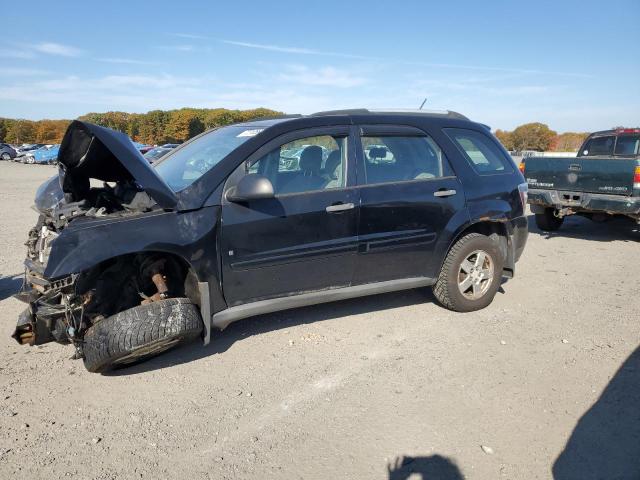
x=139, y=333
x=6, y=156
x=547, y=221
x=470, y=275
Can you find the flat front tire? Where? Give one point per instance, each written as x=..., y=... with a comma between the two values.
x=470, y=275
x=139, y=333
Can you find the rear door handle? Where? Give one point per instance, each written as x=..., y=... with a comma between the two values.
x=340, y=207
x=444, y=193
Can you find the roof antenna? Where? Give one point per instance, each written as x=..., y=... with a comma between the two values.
x=423, y=102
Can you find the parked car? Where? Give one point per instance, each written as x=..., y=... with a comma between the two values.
x=7, y=152
x=601, y=182
x=26, y=148
x=218, y=231
x=156, y=154
x=44, y=155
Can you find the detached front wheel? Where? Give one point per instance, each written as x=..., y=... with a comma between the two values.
x=470, y=275
x=139, y=333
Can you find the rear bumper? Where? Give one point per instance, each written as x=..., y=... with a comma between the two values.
x=519, y=235
x=585, y=202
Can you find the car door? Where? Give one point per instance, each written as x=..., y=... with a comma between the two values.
x=305, y=238
x=408, y=194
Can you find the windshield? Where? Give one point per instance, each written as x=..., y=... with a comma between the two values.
x=189, y=163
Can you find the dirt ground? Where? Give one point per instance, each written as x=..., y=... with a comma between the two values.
x=386, y=387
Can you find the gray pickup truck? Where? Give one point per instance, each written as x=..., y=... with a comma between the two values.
x=601, y=182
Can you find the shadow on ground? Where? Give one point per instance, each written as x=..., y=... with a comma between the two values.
x=10, y=285
x=617, y=229
x=606, y=440
x=221, y=341
x=433, y=467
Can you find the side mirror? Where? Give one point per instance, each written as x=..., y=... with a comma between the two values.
x=251, y=187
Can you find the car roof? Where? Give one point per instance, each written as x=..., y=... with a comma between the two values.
x=355, y=115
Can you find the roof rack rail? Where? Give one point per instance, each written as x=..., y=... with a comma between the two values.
x=347, y=111
x=364, y=111
x=275, y=117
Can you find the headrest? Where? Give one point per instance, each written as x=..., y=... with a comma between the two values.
x=333, y=160
x=311, y=159
x=377, y=152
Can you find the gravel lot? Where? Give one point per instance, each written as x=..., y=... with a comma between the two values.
x=372, y=388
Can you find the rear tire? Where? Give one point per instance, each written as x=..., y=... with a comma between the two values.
x=140, y=333
x=547, y=221
x=6, y=156
x=470, y=275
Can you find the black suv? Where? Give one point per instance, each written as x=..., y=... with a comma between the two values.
x=264, y=216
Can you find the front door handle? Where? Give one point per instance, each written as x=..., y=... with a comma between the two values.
x=339, y=207
x=444, y=193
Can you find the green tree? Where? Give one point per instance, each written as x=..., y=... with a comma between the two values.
x=21, y=131
x=532, y=136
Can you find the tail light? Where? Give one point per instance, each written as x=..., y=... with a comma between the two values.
x=636, y=178
x=521, y=167
x=523, y=189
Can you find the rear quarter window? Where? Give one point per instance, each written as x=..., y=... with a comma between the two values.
x=598, y=146
x=482, y=153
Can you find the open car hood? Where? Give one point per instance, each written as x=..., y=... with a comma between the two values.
x=89, y=151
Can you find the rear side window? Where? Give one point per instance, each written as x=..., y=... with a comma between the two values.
x=481, y=151
x=599, y=146
x=628, y=145
x=400, y=159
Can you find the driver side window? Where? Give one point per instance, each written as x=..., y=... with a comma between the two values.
x=305, y=165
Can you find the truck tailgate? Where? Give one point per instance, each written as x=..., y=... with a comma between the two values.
x=613, y=176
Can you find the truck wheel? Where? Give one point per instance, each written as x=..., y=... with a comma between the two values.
x=140, y=333
x=547, y=221
x=470, y=275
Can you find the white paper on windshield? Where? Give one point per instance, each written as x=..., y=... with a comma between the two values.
x=250, y=133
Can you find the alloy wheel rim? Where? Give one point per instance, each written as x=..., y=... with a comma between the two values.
x=475, y=275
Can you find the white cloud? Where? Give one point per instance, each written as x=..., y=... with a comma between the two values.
x=325, y=76
x=18, y=53
x=23, y=71
x=295, y=50
x=57, y=49
x=126, y=61
x=178, y=48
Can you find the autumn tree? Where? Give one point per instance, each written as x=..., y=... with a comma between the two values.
x=568, y=141
x=532, y=136
x=182, y=125
x=50, y=131
x=505, y=138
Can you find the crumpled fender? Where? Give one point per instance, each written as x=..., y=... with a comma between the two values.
x=87, y=242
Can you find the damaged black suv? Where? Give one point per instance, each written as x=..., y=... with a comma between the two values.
x=129, y=259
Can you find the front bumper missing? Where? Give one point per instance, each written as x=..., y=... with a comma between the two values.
x=43, y=320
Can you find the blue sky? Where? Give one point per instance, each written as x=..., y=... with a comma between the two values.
x=571, y=64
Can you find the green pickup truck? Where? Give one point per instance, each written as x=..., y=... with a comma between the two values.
x=603, y=180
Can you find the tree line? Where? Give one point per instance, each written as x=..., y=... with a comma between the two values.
x=176, y=126
x=154, y=127
x=539, y=137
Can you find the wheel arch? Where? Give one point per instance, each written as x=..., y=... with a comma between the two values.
x=496, y=229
